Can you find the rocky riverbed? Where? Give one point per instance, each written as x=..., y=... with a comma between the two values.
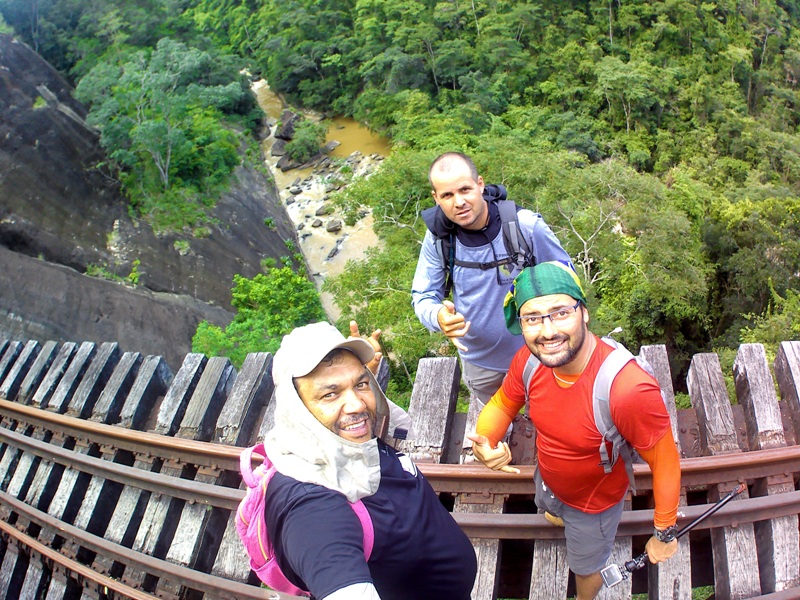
x=325, y=240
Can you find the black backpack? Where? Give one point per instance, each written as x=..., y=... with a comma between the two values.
x=519, y=253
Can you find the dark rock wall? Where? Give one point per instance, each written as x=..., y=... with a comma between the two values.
x=43, y=301
x=58, y=207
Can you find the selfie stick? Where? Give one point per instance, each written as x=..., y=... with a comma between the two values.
x=615, y=574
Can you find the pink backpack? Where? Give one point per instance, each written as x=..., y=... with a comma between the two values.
x=251, y=523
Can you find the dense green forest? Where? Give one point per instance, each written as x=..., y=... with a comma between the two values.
x=658, y=139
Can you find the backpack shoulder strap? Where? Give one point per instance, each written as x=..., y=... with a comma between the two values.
x=601, y=408
x=366, y=525
x=513, y=238
x=250, y=477
x=527, y=376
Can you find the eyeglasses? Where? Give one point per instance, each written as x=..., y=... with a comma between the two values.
x=557, y=316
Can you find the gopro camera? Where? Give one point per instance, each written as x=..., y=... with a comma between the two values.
x=612, y=575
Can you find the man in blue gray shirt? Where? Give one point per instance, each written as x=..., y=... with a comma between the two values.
x=468, y=212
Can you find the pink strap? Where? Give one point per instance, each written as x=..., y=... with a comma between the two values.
x=366, y=525
x=246, y=464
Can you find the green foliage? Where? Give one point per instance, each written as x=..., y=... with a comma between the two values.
x=101, y=272
x=307, y=139
x=134, y=276
x=161, y=114
x=39, y=103
x=777, y=324
x=268, y=306
x=658, y=139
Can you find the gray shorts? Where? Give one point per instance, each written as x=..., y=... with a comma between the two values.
x=482, y=383
x=590, y=537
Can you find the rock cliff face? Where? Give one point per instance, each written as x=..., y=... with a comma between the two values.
x=59, y=209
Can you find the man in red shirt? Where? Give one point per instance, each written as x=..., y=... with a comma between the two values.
x=548, y=306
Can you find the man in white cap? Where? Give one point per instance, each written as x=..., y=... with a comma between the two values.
x=331, y=444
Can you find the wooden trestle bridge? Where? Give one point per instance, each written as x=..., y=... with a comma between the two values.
x=119, y=479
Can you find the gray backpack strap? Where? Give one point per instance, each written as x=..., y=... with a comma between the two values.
x=601, y=393
x=513, y=239
x=527, y=375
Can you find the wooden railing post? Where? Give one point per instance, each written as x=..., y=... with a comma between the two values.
x=787, y=372
x=432, y=406
x=673, y=578
x=778, y=540
x=735, y=572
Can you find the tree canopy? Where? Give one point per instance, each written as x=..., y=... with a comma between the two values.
x=658, y=139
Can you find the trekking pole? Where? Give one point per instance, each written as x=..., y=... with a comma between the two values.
x=615, y=574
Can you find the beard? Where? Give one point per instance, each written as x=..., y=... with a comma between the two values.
x=565, y=356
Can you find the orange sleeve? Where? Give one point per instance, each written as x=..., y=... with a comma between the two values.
x=496, y=416
x=665, y=463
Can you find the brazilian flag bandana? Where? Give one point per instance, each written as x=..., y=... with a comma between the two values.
x=544, y=279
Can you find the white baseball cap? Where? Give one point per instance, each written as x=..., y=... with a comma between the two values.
x=305, y=347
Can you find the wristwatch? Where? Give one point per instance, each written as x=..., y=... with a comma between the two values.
x=665, y=536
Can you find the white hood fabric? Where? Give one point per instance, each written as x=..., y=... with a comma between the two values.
x=302, y=447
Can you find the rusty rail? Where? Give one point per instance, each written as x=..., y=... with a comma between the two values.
x=189, y=485
x=471, y=478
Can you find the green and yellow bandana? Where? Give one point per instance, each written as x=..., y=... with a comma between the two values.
x=543, y=279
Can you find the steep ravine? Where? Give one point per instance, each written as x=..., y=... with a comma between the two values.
x=59, y=215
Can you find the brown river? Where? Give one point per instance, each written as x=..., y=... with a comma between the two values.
x=326, y=252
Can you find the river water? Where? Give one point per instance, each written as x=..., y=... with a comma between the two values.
x=326, y=252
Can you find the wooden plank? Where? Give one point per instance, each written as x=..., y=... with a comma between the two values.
x=11, y=384
x=670, y=579
x=550, y=573
x=162, y=515
x=112, y=398
x=129, y=511
x=433, y=402
x=710, y=400
x=658, y=358
x=50, y=382
x=787, y=372
x=94, y=380
x=200, y=532
x=69, y=382
x=37, y=372
x=73, y=484
x=736, y=574
x=777, y=540
x=180, y=392
x=152, y=382
x=8, y=358
x=756, y=393
x=249, y=397
x=487, y=551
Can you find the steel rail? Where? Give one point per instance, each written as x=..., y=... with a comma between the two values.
x=490, y=526
x=216, y=456
x=218, y=586
x=698, y=472
x=176, y=487
x=529, y=526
